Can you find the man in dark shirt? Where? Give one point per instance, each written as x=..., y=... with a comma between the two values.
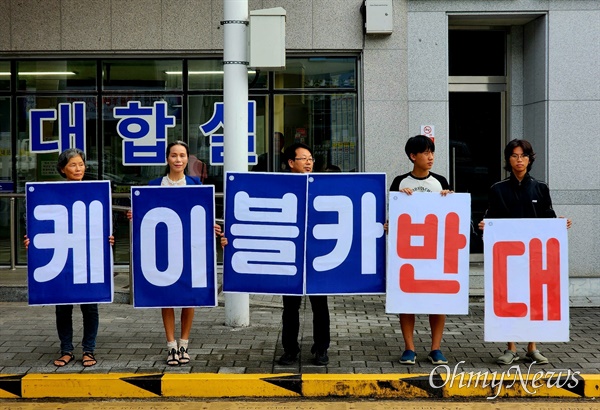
x=520, y=196
x=300, y=159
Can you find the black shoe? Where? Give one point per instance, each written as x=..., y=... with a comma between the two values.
x=321, y=358
x=287, y=358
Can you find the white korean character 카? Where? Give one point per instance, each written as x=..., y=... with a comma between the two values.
x=342, y=231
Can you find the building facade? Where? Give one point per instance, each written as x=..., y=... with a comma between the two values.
x=473, y=74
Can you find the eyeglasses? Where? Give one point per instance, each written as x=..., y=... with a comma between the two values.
x=310, y=159
x=519, y=156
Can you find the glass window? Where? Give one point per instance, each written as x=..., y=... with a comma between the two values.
x=142, y=75
x=314, y=100
x=325, y=122
x=33, y=166
x=42, y=166
x=477, y=53
x=4, y=75
x=56, y=75
x=5, y=230
x=5, y=178
x=21, y=230
x=5, y=145
x=318, y=72
x=124, y=176
x=201, y=108
x=208, y=75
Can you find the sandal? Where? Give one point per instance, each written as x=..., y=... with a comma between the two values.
x=61, y=361
x=184, y=357
x=88, y=359
x=173, y=358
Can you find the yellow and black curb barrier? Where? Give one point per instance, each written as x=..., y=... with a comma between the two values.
x=202, y=385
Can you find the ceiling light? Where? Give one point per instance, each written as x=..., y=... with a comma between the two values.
x=46, y=73
x=202, y=72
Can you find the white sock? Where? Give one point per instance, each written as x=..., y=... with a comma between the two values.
x=171, y=345
x=183, y=343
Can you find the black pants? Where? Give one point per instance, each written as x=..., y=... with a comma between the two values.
x=291, y=323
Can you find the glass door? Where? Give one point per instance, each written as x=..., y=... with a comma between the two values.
x=477, y=135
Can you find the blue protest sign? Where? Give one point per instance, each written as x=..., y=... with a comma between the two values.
x=265, y=223
x=174, y=262
x=69, y=259
x=345, y=242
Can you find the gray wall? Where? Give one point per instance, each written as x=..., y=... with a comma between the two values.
x=385, y=97
x=573, y=124
x=554, y=102
x=165, y=25
x=535, y=92
x=428, y=79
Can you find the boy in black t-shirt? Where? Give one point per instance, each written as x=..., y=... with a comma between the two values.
x=420, y=150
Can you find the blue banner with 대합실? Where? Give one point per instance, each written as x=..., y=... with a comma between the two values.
x=265, y=224
x=69, y=258
x=174, y=259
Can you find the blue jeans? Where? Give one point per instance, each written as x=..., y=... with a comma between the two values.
x=64, y=325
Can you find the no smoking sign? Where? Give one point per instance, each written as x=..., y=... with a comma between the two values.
x=428, y=131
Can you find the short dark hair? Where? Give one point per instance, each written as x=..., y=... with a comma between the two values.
x=65, y=157
x=527, y=150
x=417, y=144
x=290, y=152
x=168, y=151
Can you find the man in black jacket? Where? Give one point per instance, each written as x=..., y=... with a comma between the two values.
x=520, y=196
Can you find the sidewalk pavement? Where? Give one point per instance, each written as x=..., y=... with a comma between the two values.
x=366, y=344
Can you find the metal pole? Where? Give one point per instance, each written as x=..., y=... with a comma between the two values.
x=235, y=127
x=13, y=242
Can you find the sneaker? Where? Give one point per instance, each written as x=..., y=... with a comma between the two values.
x=408, y=357
x=536, y=357
x=508, y=357
x=287, y=358
x=436, y=357
x=321, y=358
